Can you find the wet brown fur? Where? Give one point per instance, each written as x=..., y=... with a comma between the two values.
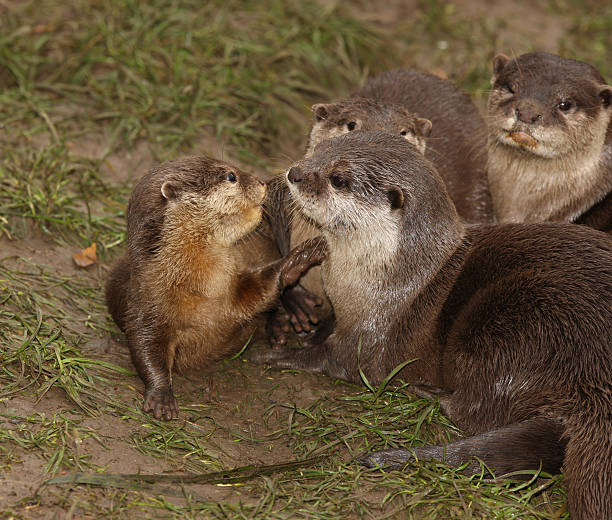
x=564, y=108
x=511, y=322
x=457, y=142
x=186, y=290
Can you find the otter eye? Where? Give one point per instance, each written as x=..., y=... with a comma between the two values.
x=508, y=88
x=351, y=126
x=231, y=177
x=403, y=132
x=564, y=106
x=338, y=182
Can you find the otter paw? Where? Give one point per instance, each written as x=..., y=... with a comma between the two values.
x=387, y=459
x=161, y=403
x=277, y=328
x=301, y=306
x=301, y=258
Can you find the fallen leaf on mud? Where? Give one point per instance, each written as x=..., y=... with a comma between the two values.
x=441, y=73
x=86, y=257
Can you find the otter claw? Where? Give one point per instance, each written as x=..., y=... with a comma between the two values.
x=161, y=403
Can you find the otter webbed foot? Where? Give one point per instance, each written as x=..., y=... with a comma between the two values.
x=277, y=328
x=277, y=358
x=312, y=359
x=161, y=403
x=301, y=305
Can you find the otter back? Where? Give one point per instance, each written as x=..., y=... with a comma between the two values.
x=457, y=142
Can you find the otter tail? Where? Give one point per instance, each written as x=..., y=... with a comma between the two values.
x=116, y=290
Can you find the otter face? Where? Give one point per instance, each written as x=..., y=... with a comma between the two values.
x=548, y=106
x=217, y=197
x=336, y=119
x=342, y=194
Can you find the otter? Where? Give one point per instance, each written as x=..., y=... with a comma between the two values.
x=550, y=141
x=185, y=292
x=456, y=144
x=428, y=111
x=510, y=324
x=364, y=113
x=305, y=304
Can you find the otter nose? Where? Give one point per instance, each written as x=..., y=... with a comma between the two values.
x=527, y=115
x=294, y=174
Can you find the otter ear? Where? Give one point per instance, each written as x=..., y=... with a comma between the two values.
x=169, y=190
x=605, y=94
x=499, y=62
x=320, y=111
x=396, y=198
x=422, y=126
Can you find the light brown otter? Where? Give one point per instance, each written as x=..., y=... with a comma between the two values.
x=550, y=141
x=185, y=292
x=511, y=322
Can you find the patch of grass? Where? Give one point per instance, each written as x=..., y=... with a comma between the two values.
x=61, y=195
x=185, y=444
x=589, y=37
x=56, y=439
x=40, y=345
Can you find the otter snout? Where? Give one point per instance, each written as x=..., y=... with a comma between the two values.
x=295, y=175
x=528, y=113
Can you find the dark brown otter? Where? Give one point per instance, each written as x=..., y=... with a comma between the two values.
x=511, y=322
x=550, y=141
x=365, y=114
x=185, y=292
x=457, y=142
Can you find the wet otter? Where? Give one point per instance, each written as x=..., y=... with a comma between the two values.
x=457, y=141
x=185, y=293
x=550, y=141
x=511, y=322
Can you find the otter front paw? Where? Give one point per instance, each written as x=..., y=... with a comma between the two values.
x=387, y=459
x=301, y=306
x=161, y=403
x=301, y=258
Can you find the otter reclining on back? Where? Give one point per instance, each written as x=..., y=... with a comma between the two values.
x=550, y=141
x=511, y=322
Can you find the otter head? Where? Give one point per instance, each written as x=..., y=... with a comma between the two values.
x=212, y=198
x=376, y=190
x=547, y=106
x=336, y=119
